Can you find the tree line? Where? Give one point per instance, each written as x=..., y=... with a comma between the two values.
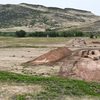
x=22, y=33
x=71, y=33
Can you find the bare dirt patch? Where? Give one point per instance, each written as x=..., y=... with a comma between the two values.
x=44, y=64
x=11, y=58
x=41, y=70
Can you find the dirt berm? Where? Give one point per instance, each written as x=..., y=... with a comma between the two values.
x=51, y=56
x=82, y=64
x=85, y=65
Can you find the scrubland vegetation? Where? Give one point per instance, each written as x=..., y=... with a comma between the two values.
x=54, y=87
x=70, y=33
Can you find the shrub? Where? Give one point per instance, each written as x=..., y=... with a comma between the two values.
x=91, y=36
x=20, y=33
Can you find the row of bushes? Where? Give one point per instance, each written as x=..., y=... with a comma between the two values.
x=57, y=34
x=21, y=33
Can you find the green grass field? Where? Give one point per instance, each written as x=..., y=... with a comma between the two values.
x=29, y=41
x=54, y=87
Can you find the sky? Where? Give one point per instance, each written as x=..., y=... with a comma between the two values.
x=90, y=5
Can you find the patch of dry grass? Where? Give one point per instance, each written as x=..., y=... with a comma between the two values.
x=30, y=42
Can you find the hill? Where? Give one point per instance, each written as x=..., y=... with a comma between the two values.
x=39, y=18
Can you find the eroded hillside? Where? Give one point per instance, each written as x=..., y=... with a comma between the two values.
x=38, y=18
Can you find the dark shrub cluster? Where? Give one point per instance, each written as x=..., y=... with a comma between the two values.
x=49, y=33
x=57, y=34
x=20, y=33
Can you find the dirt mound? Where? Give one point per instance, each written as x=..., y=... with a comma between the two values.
x=88, y=69
x=93, y=54
x=78, y=42
x=81, y=64
x=52, y=56
x=85, y=64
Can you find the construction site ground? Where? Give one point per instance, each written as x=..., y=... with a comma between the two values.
x=14, y=53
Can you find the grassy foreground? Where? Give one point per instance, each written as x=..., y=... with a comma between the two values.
x=55, y=87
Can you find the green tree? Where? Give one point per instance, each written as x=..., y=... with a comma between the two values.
x=91, y=36
x=20, y=33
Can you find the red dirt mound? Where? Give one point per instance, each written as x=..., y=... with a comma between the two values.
x=85, y=65
x=52, y=56
x=88, y=69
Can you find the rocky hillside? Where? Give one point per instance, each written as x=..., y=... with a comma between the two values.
x=38, y=18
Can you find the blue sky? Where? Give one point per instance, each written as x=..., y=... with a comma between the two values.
x=90, y=5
